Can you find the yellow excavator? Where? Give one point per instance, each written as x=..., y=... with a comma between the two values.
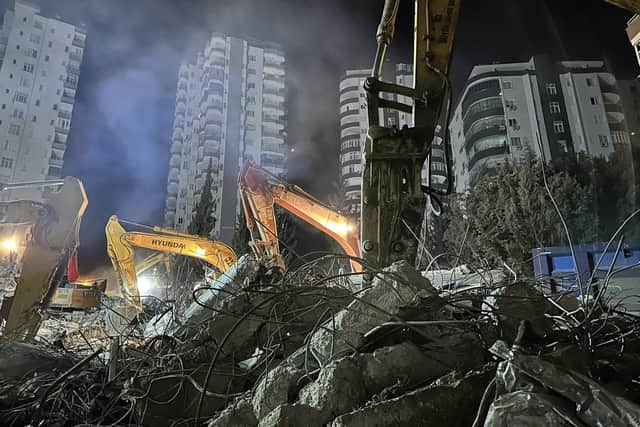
x=49, y=235
x=121, y=244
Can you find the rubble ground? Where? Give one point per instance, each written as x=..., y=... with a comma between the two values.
x=313, y=349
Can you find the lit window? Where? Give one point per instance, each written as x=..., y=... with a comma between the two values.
x=558, y=126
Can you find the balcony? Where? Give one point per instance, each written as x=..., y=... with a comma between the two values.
x=176, y=147
x=64, y=114
x=79, y=40
x=175, y=161
x=490, y=152
x=273, y=70
x=74, y=56
x=62, y=131
x=473, y=117
x=275, y=149
x=174, y=175
x=56, y=163
x=171, y=202
x=67, y=99
x=71, y=83
x=59, y=146
x=211, y=148
x=172, y=189
x=483, y=133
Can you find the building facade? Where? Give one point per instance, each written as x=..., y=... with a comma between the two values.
x=39, y=70
x=354, y=123
x=230, y=107
x=541, y=106
x=633, y=32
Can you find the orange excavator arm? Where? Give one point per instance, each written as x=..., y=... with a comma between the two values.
x=260, y=190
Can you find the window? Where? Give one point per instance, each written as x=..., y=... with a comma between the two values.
x=552, y=89
x=558, y=126
x=516, y=141
x=604, y=141
x=38, y=25
x=252, y=58
x=17, y=114
x=554, y=107
x=251, y=100
x=66, y=48
x=179, y=220
x=506, y=84
x=589, y=82
x=14, y=129
x=251, y=71
x=513, y=122
x=6, y=163
x=50, y=44
x=28, y=68
x=594, y=100
x=35, y=38
x=250, y=113
x=20, y=97
x=31, y=52
x=35, y=119
x=563, y=145
x=37, y=103
x=46, y=58
x=251, y=85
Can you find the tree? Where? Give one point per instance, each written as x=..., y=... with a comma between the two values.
x=507, y=212
x=202, y=221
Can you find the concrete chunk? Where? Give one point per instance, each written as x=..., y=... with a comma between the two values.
x=292, y=416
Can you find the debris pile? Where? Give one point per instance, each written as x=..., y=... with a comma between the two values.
x=305, y=349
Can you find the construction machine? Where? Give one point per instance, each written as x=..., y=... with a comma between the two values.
x=260, y=191
x=121, y=244
x=393, y=195
x=51, y=235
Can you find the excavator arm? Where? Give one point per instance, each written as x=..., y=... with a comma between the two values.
x=121, y=244
x=260, y=190
x=54, y=234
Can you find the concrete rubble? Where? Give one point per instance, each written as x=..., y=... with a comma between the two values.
x=309, y=351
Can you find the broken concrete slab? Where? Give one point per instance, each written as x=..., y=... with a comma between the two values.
x=279, y=386
x=292, y=416
x=347, y=383
x=452, y=401
x=398, y=286
x=519, y=301
x=238, y=414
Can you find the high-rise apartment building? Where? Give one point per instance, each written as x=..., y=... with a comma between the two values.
x=39, y=70
x=548, y=108
x=230, y=107
x=354, y=123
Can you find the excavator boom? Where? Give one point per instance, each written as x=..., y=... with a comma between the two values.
x=54, y=235
x=121, y=244
x=260, y=190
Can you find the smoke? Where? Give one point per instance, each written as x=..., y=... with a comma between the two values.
x=121, y=131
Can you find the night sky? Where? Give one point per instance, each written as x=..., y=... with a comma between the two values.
x=120, y=138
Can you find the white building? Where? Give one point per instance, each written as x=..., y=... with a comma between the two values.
x=354, y=123
x=548, y=108
x=39, y=70
x=230, y=107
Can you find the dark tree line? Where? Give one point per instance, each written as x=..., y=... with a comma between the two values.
x=507, y=211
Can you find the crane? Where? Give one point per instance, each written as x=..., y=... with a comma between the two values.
x=261, y=190
x=121, y=244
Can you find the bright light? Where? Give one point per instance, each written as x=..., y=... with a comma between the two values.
x=200, y=252
x=10, y=245
x=145, y=285
x=341, y=228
